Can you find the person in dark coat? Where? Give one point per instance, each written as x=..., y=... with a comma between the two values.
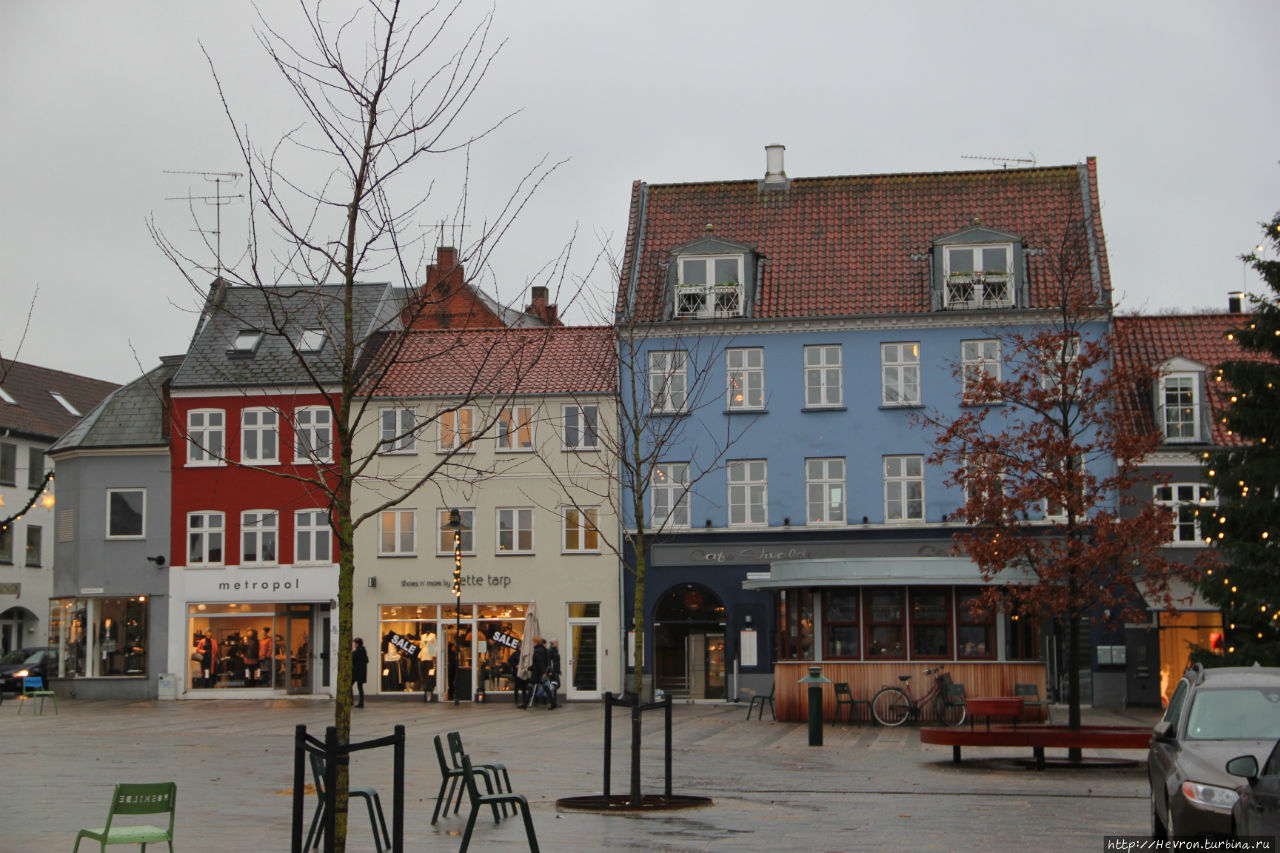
x=359, y=668
x=553, y=671
x=538, y=667
x=521, y=687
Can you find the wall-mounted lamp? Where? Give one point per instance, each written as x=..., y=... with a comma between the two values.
x=864, y=520
x=373, y=581
x=786, y=522
x=747, y=619
x=708, y=522
x=158, y=560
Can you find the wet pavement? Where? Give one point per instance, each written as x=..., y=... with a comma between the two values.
x=865, y=787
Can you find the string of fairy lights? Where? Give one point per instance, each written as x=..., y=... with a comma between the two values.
x=40, y=494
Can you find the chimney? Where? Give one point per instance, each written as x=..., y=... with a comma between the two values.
x=539, y=308
x=1235, y=302
x=775, y=177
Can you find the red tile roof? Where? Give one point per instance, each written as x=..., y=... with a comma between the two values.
x=483, y=362
x=1202, y=338
x=845, y=245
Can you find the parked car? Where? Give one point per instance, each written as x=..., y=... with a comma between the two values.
x=31, y=661
x=1257, y=811
x=1213, y=716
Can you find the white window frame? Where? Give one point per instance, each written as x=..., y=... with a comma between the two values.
x=312, y=526
x=264, y=429
x=213, y=526
x=313, y=434
x=900, y=373
x=312, y=340
x=202, y=449
x=748, y=481
x=142, y=514
x=584, y=427
x=259, y=533
x=35, y=543
x=708, y=299
x=1065, y=354
x=515, y=428
x=904, y=489
x=973, y=288
x=978, y=358
x=1059, y=513
x=397, y=533
x=577, y=537
x=246, y=342
x=444, y=544
x=967, y=486
x=826, y=498
x=668, y=381
x=669, y=496
x=397, y=431
x=823, y=376
x=744, y=378
x=514, y=523
x=1187, y=425
x=456, y=429
x=1183, y=501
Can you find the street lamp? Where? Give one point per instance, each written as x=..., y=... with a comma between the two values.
x=455, y=524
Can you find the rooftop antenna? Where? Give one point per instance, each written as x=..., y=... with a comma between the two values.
x=217, y=200
x=1002, y=162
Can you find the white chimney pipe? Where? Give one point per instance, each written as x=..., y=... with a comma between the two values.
x=773, y=171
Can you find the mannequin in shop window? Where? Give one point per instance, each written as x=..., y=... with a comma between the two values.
x=264, y=651
x=251, y=651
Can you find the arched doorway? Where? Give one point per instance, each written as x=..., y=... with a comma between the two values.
x=14, y=633
x=689, y=643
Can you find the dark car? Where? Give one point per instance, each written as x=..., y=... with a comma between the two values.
x=16, y=666
x=1257, y=812
x=1213, y=716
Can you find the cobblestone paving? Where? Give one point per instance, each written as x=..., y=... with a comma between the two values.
x=866, y=787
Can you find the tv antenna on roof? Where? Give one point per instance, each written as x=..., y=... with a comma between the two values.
x=1002, y=162
x=217, y=200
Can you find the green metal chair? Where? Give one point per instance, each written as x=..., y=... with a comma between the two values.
x=33, y=688
x=156, y=798
x=377, y=822
x=844, y=698
x=759, y=701
x=479, y=801
x=1030, y=694
x=497, y=771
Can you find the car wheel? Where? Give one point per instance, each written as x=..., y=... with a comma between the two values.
x=1157, y=828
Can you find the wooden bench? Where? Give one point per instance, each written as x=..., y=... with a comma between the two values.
x=1039, y=738
x=1004, y=708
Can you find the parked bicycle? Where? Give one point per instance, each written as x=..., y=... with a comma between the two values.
x=893, y=706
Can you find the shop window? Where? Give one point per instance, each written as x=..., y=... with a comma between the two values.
x=313, y=539
x=930, y=623
x=842, y=624
x=245, y=646
x=795, y=625
x=102, y=637
x=975, y=632
x=1021, y=638
x=886, y=624
x=467, y=539
x=126, y=513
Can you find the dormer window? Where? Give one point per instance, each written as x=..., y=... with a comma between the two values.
x=1180, y=407
x=709, y=286
x=978, y=276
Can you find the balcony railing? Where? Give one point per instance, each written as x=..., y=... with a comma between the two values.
x=978, y=290
x=709, y=300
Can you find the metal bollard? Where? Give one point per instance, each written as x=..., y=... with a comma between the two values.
x=815, y=680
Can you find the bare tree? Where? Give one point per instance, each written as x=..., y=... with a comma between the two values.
x=383, y=92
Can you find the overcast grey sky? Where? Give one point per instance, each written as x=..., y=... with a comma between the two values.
x=100, y=99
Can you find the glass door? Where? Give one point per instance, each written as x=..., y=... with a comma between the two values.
x=582, y=679
x=298, y=648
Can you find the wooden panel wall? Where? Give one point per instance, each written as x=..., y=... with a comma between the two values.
x=986, y=678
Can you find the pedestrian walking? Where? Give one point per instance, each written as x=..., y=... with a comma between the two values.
x=553, y=676
x=538, y=670
x=359, y=668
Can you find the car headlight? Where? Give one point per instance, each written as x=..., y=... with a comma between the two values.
x=22, y=673
x=1209, y=796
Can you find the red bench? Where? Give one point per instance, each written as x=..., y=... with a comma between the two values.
x=1039, y=737
x=1008, y=708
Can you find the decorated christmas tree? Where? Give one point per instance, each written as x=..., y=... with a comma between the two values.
x=1246, y=474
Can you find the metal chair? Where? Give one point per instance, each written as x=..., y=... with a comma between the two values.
x=377, y=822
x=758, y=701
x=844, y=698
x=1030, y=694
x=498, y=771
x=33, y=688
x=156, y=798
x=479, y=801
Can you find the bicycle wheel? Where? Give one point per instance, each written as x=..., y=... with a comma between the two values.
x=950, y=713
x=890, y=706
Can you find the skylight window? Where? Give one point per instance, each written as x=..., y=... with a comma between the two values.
x=311, y=340
x=4, y=395
x=65, y=403
x=246, y=342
